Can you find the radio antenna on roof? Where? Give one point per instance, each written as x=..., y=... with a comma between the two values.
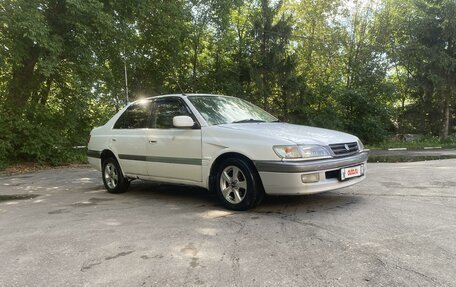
x=180, y=88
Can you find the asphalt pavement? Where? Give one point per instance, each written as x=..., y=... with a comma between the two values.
x=397, y=228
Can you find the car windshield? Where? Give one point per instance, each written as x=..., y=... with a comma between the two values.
x=218, y=110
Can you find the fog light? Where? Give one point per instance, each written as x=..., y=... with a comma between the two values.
x=311, y=177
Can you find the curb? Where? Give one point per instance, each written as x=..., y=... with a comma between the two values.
x=427, y=148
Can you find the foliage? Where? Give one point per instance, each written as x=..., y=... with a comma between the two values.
x=40, y=137
x=422, y=48
x=371, y=68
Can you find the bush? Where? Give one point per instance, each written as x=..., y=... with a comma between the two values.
x=6, y=138
x=364, y=117
x=41, y=136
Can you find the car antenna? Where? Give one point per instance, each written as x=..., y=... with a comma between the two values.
x=180, y=88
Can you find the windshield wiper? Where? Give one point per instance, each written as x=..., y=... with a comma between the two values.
x=248, y=121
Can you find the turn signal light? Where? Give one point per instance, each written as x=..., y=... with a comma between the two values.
x=311, y=177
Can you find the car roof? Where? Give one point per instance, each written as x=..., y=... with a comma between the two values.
x=178, y=95
x=183, y=95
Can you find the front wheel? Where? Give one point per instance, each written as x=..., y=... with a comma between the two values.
x=113, y=179
x=237, y=185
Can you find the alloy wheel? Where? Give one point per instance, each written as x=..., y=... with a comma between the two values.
x=233, y=184
x=111, y=175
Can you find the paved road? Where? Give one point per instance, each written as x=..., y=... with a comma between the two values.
x=397, y=228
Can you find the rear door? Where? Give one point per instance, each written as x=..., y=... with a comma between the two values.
x=173, y=153
x=129, y=138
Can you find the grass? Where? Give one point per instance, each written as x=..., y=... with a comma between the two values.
x=406, y=158
x=418, y=144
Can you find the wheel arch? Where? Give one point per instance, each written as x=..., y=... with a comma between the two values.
x=106, y=153
x=227, y=155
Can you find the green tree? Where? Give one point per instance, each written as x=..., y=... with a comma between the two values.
x=424, y=46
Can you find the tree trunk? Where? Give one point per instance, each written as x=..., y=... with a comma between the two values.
x=263, y=70
x=445, y=116
x=264, y=56
x=44, y=94
x=195, y=59
x=23, y=82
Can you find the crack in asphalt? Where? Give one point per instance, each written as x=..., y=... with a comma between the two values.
x=94, y=262
x=88, y=266
x=428, y=278
x=10, y=197
x=119, y=255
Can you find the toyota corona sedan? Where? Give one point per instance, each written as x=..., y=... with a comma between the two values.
x=224, y=144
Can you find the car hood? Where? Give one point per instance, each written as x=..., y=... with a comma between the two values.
x=295, y=133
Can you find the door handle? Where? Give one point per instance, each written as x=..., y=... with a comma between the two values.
x=152, y=141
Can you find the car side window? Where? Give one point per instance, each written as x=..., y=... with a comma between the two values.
x=165, y=109
x=135, y=116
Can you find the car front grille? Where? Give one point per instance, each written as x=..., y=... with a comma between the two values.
x=343, y=149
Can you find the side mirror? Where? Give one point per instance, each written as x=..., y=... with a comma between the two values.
x=183, y=122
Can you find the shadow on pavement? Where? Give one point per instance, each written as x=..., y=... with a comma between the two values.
x=180, y=194
x=307, y=203
x=187, y=196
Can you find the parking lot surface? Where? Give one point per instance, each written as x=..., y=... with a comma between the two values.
x=397, y=228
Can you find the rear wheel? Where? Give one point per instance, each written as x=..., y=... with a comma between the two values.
x=237, y=185
x=113, y=179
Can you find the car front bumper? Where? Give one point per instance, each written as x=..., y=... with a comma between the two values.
x=285, y=177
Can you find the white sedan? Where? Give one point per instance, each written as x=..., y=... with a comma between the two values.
x=224, y=144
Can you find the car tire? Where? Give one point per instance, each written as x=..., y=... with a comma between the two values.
x=113, y=178
x=238, y=185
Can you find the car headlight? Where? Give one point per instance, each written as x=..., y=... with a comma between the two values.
x=287, y=152
x=304, y=152
x=360, y=146
x=314, y=152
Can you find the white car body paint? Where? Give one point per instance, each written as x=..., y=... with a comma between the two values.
x=255, y=141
